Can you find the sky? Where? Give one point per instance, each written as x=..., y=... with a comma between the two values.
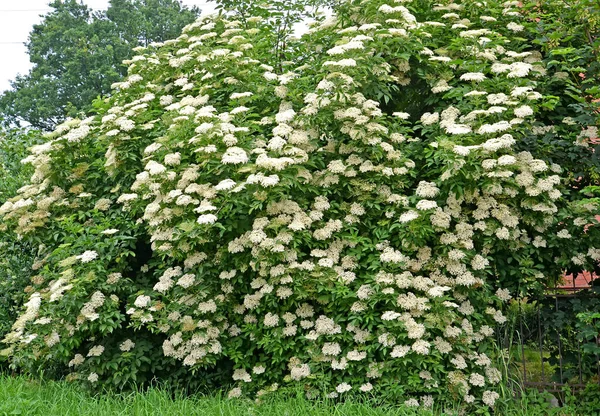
x=16, y=21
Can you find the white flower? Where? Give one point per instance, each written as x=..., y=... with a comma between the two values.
x=441, y=86
x=356, y=355
x=424, y=205
x=166, y=100
x=475, y=93
x=401, y=115
x=537, y=165
x=477, y=380
x=152, y=148
x=473, y=76
x=440, y=58
x=564, y=233
x=520, y=91
x=479, y=262
x=390, y=316
x=225, y=185
x=519, y=70
x=523, y=111
x=235, y=392
x=474, y=33
x=506, y=160
x=408, y=216
x=234, y=155
x=285, y=116
x=207, y=307
x=343, y=387
x=186, y=280
x=241, y=374
x=411, y=403
x=271, y=320
x=259, y=369
x=78, y=359
x=77, y=134
x=458, y=129
x=430, y=118
x=494, y=128
x=204, y=127
x=207, y=219
x=495, y=99
x=461, y=150
x=341, y=63
x=269, y=76
x=300, y=372
x=127, y=345
x=503, y=294
x=389, y=255
x=503, y=233
x=515, y=27
x=239, y=110
x=421, y=347
x=96, y=351
x=366, y=387
x=88, y=256
x=173, y=159
x=125, y=198
x=155, y=168
x=437, y=291
x=490, y=397
x=125, y=124
x=427, y=190
x=142, y=301
x=237, y=95
x=281, y=91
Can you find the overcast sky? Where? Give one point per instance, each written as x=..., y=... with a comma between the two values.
x=17, y=18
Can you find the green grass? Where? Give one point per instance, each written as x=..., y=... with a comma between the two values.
x=533, y=364
x=20, y=396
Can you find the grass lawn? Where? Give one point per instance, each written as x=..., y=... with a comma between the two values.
x=19, y=396
x=22, y=396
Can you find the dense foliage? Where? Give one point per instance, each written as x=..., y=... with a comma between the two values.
x=567, y=36
x=77, y=53
x=17, y=255
x=347, y=215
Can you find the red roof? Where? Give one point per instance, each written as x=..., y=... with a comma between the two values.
x=582, y=280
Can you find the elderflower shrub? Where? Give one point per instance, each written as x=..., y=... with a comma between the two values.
x=296, y=222
x=17, y=255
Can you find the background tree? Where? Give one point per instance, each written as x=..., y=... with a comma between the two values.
x=281, y=16
x=77, y=54
x=145, y=21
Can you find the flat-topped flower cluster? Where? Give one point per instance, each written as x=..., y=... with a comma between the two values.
x=283, y=217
